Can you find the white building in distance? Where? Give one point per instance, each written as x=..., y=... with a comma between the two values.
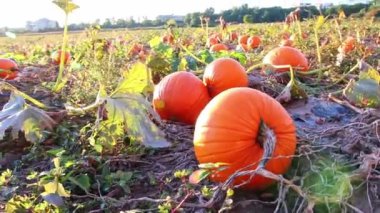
x=41, y=25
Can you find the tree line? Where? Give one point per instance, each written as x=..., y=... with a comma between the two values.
x=242, y=14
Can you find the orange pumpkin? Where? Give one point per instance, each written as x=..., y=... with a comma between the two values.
x=212, y=41
x=233, y=36
x=56, y=57
x=180, y=96
x=348, y=45
x=168, y=39
x=218, y=48
x=223, y=74
x=135, y=49
x=286, y=56
x=227, y=132
x=254, y=41
x=286, y=42
x=8, y=69
x=243, y=39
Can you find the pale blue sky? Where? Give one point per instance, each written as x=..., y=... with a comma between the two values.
x=15, y=13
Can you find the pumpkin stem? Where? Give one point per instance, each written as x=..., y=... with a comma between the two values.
x=267, y=140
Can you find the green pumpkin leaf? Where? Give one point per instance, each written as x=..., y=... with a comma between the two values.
x=83, y=181
x=363, y=93
x=132, y=111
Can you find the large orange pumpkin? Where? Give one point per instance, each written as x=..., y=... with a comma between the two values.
x=180, y=96
x=227, y=132
x=285, y=55
x=223, y=74
x=8, y=69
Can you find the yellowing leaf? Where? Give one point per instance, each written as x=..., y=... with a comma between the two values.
x=370, y=74
x=135, y=80
x=66, y=5
x=342, y=15
x=320, y=21
x=56, y=187
x=56, y=162
x=198, y=175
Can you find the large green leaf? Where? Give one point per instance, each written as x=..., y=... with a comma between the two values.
x=135, y=80
x=363, y=93
x=132, y=110
x=19, y=116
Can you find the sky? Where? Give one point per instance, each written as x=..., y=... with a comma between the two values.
x=18, y=12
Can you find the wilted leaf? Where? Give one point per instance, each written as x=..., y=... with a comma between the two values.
x=132, y=110
x=83, y=181
x=19, y=116
x=66, y=5
x=363, y=93
x=292, y=91
x=319, y=22
x=53, y=198
x=198, y=175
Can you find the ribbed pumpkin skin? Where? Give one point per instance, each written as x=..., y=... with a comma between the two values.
x=180, y=96
x=226, y=131
x=9, y=67
x=223, y=74
x=285, y=55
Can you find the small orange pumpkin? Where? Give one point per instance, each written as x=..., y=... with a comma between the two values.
x=227, y=132
x=233, y=36
x=286, y=42
x=212, y=41
x=286, y=56
x=8, y=69
x=56, y=57
x=348, y=45
x=223, y=74
x=218, y=48
x=254, y=41
x=167, y=39
x=180, y=96
x=243, y=39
